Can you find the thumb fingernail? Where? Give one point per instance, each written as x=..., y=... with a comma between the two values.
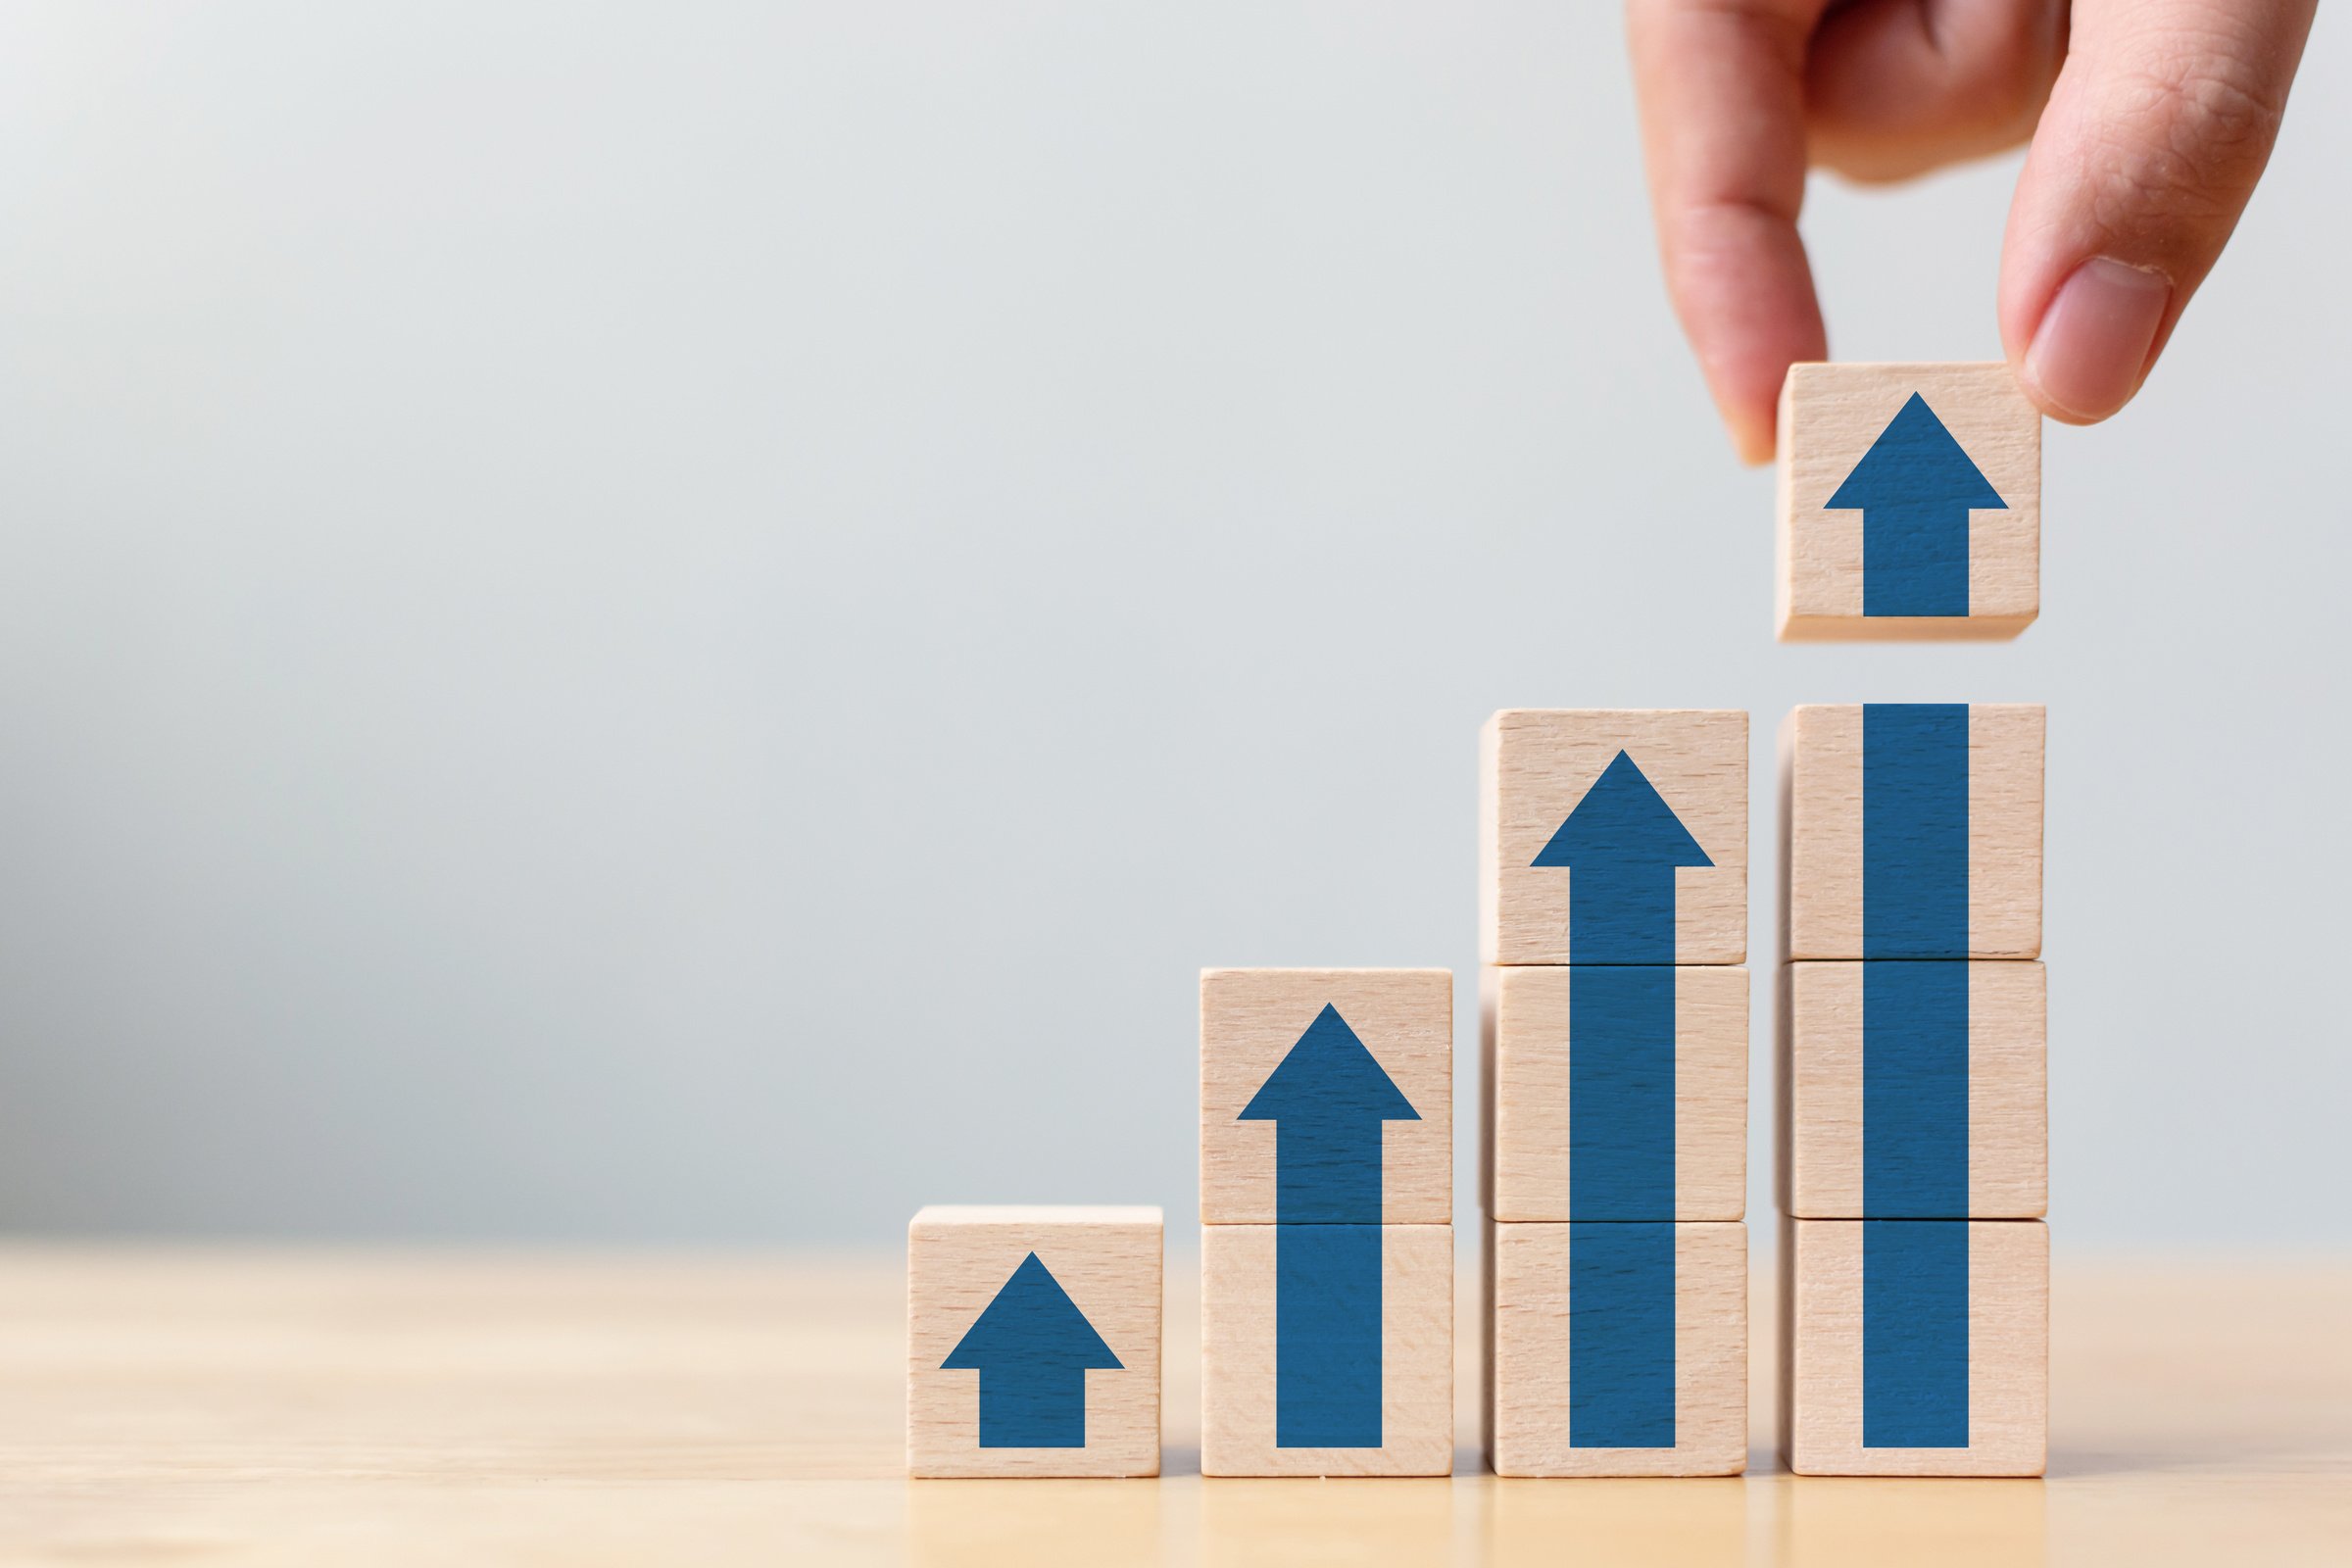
x=2087, y=354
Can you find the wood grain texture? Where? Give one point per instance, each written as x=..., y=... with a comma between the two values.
x=1536, y=764
x=280, y=1406
x=1250, y=1019
x=1829, y=416
x=1237, y=1358
x=1528, y=1382
x=1106, y=1259
x=1821, y=829
x=1818, y=1052
x=1525, y=1052
x=2008, y=1355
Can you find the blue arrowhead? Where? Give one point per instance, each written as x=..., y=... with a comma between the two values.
x=1328, y=1097
x=1032, y=1348
x=1623, y=842
x=1915, y=488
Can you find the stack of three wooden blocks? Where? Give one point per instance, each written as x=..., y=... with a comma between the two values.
x=1613, y=876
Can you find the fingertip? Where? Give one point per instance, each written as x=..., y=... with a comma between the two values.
x=2093, y=347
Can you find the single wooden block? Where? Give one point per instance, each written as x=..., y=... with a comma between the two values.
x=1613, y=836
x=1910, y=503
x=1327, y=1349
x=1912, y=830
x=1618, y=1350
x=1615, y=1092
x=1914, y=1090
x=1033, y=1341
x=1279, y=1048
x=1915, y=1347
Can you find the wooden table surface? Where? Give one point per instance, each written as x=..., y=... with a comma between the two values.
x=321, y=1407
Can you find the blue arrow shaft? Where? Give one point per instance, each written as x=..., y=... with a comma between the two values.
x=1621, y=1092
x=1327, y=1326
x=1914, y=1334
x=1327, y=1171
x=1914, y=1090
x=1915, y=558
x=1621, y=1312
x=1032, y=1406
x=1915, y=830
x=1621, y=914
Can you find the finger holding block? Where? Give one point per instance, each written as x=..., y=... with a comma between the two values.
x=1032, y=1340
x=1913, y=830
x=1618, y=1350
x=1910, y=503
x=1615, y=1092
x=1613, y=836
x=1915, y=1348
x=1327, y=1349
x=1914, y=1090
x=1326, y=1096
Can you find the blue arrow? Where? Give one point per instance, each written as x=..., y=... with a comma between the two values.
x=1326, y=1098
x=1915, y=488
x=1622, y=843
x=1032, y=1348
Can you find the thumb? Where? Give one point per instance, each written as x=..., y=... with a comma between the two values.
x=2156, y=131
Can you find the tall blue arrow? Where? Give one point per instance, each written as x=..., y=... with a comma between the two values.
x=1326, y=1098
x=1032, y=1348
x=1915, y=488
x=1620, y=846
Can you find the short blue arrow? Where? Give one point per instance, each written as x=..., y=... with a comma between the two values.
x=1032, y=1348
x=1328, y=1099
x=1915, y=488
x=1621, y=844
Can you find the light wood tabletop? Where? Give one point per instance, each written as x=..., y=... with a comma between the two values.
x=226, y=1406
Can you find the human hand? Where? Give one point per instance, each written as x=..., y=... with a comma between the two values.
x=2155, y=119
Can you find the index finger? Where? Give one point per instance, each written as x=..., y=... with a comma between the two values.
x=1721, y=85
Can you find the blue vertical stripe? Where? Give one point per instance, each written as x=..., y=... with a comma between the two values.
x=1915, y=1090
x=1621, y=1092
x=1914, y=1334
x=1621, y=1313
x=1327, y=1331
x=1915, y=830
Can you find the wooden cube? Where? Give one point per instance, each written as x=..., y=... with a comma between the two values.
x=1915, y=1347
x=1327, y=1095
x=1913, y=831
x=1910, y=503
x=1616, y=1091
x=1033, y=1341
x=1618, y=1350
x=1327, y=1349
x=1613, y=836
x=1914, y=1090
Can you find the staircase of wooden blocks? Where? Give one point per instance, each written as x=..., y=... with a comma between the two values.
x=1911, y=1050
x=1613, y=1171
x=1613, y=892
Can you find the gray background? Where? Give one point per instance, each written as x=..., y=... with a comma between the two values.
x=686, y=622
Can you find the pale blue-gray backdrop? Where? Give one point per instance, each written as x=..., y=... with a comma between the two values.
x=685, y=623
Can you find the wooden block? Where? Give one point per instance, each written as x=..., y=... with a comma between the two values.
x=1645, y=1375
x=1309, y=1023
x=1033, y=1341
x=1912, y=830
x=1662, y=1053
x=1942, y=1069
x=1662, y=842
x=1915, y=1348
x=1352, y=1375
x=1910, y=503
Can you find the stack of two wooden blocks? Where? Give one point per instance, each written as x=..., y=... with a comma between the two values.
x=1614, y=1071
